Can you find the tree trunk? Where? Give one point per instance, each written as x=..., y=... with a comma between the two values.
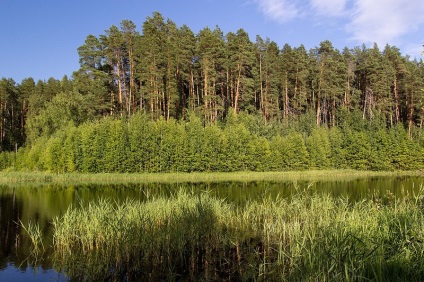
x=319, y=94
x=237, y=94
x=168, y=90
x=286, y=99
x=119, y=81
x=132, y=81
x=261, y=100
x=411, y=115
x=205, y=93
x=396, y=90
x=191, y=96
x=346, y=100
x=296, y=86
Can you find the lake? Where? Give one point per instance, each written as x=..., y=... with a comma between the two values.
x=41, y=204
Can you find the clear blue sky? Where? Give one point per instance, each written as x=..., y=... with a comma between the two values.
x=39, y=38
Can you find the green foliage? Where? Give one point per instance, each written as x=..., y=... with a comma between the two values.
x=7, y=160
x=214, y=148
x=295, y=152
x=71, y=150
x=56, y=114
x=337, y=145
x=380, y=150
x=358, y=150
x=288, y=153
x=195, y=135
x=33, y=158
x=258, y=152
x=142, y=145
x=405, y=153
x=115, y=146
x=237, y=148
x=53, y=156
x=91, y=150
x=319, y=149
x=170, y=140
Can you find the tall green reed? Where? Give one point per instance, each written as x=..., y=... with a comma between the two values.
x=311, y=236
x=34, y=233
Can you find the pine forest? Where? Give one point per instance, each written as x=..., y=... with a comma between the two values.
x=161, y=98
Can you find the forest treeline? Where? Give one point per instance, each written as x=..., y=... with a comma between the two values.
x=243, y=143
x=290, y=99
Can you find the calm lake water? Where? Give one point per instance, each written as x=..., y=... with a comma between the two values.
x=41, y=204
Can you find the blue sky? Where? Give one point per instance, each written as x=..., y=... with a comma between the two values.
x=39, y=38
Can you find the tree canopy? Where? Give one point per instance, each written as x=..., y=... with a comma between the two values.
x=168, y=75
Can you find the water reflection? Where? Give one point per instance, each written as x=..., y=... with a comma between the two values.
x=10, y=212
x=40, y=204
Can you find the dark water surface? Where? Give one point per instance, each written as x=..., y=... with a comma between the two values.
x=41, y=204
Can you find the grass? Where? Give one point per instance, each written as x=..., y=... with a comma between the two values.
x=12, y=178
x=195, y=236
x=34, y=233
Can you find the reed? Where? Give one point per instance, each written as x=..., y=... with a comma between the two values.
x=34, y=233
x=198, y=237
x=41, y=178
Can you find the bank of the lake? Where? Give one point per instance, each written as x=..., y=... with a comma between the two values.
x=40, y=178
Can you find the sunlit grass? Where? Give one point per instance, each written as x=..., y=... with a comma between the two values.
x=199, y=237
x=40, y=178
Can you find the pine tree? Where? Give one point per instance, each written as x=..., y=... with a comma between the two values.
x=10, y=111
x=152, y=62
x=286, y=72
x=185, y=70
x=115, y=54
x=349, y=100
x=330, y=82
x=413, y=95
x=92, y=80
x=392, y=54
x=267, y=99
x=130, y=37
x=211, y=56
x=171, y=69
x=240, y=52
x=300, y=81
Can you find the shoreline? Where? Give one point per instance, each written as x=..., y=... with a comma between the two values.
x=45, y=178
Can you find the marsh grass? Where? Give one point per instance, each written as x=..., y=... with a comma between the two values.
x=41, y=178
x=34, y=233
x=195, y=236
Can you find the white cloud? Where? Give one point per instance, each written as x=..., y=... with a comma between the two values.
x=384, y=22
x=415, y=51
x=329, y=8
x=393, y=22
x=279, y=10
